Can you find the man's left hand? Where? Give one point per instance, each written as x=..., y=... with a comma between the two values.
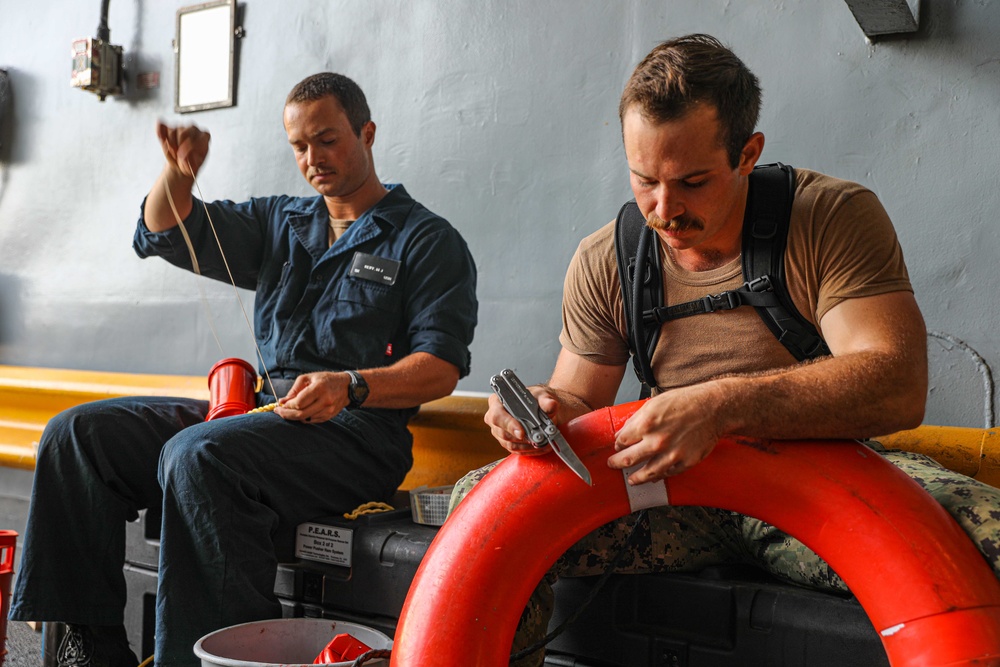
x=315, y=397
x=671, y=433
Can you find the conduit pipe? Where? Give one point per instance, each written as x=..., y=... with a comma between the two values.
x=927, y=590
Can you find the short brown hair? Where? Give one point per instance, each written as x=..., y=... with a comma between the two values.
x=341, y=88
x=681, y=73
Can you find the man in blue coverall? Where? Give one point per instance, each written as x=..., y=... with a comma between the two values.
x=365, y=308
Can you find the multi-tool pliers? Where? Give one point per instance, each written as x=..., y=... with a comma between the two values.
x=538, y=428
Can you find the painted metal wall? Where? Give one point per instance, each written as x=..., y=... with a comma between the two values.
x=500, y=115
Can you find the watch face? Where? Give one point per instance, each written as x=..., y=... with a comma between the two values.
x=358, y=389
x=360, y=392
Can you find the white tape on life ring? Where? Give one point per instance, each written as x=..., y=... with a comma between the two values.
x=643, y=496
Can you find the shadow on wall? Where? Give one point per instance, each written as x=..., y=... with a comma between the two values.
x=19, y=85
x=143, y=70
x=11, y=314
x=6, y=110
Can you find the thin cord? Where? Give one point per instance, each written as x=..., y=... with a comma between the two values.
x=371, y=655
x=195, y=267
x=225, y=262
x=232, y=281
x=594, y=590
x=984, y=369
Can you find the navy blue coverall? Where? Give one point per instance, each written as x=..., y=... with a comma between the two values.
x=233, y=490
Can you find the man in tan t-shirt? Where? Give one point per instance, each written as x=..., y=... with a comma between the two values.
x=688, y=117
x=831, y=220
x=689, y=164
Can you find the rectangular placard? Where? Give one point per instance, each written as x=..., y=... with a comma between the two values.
x=324, y=544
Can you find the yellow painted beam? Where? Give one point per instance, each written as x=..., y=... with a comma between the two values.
x=449, y=436
x=450, y=439
x=21, y=456
x=99, y=384
x=971, y=451
x=30, y=397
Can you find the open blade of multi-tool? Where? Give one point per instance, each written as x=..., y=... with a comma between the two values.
x=538, y=428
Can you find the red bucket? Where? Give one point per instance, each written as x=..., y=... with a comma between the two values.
x=232, y=385
x=8, y=541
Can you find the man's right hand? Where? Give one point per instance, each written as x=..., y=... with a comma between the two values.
x=509, y=432
x=185, y=147
x=577, y=386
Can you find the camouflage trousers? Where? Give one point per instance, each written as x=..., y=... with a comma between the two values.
x=688, y=539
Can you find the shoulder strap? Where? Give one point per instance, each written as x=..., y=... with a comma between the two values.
x=765, y=236
x=638, y=255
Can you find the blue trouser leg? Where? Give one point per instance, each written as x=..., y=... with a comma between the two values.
x=233, y=492
x=96, y=467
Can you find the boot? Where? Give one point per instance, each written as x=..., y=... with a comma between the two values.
x=95, y=646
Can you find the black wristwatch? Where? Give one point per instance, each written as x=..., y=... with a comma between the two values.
x=357, y=391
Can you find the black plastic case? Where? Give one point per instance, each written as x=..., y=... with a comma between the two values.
x=387, y=549
x=722, y=617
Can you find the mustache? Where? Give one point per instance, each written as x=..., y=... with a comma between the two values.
x=677, y=224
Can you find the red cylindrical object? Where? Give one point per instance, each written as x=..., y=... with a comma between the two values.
x=938, y=603
x=232, y=385
x=8, y=542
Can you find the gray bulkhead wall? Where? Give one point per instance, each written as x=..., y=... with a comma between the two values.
x=500, y=115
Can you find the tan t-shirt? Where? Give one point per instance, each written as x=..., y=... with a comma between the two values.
x=841, y=245
x=337, y=228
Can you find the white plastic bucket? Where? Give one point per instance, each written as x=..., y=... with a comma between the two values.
x=289, y=642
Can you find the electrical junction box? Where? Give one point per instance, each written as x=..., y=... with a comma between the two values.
x=97, y=67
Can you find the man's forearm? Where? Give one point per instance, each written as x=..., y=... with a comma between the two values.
x=571, y=405
x=185, y=149
x=858, y=395
x=417, y=378
x=157, y=213
x=875, y=383
x=581, y=386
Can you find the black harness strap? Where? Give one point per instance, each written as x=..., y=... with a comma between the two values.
x=758, y=294
x=633, y=239
x=765, y=235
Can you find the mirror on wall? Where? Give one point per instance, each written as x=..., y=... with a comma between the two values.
x=204, y=55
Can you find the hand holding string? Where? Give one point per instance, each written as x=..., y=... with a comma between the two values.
x=185, y=148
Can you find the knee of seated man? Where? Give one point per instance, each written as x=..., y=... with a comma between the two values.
x=467, y=483
x=75, y=427
x=58, y=433
x=191, y=455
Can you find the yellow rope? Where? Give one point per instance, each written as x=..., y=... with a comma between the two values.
x=264, y=408
x=369, y=508
x=147, y=662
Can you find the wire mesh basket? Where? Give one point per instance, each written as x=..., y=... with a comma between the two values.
x=429, y=506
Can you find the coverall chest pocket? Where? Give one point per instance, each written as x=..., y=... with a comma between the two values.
x=361, y=322
x=272, y=312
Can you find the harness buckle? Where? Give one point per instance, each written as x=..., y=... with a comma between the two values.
x=762, y=284
x=724, y=301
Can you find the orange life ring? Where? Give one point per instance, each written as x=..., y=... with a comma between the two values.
x=936, y=603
